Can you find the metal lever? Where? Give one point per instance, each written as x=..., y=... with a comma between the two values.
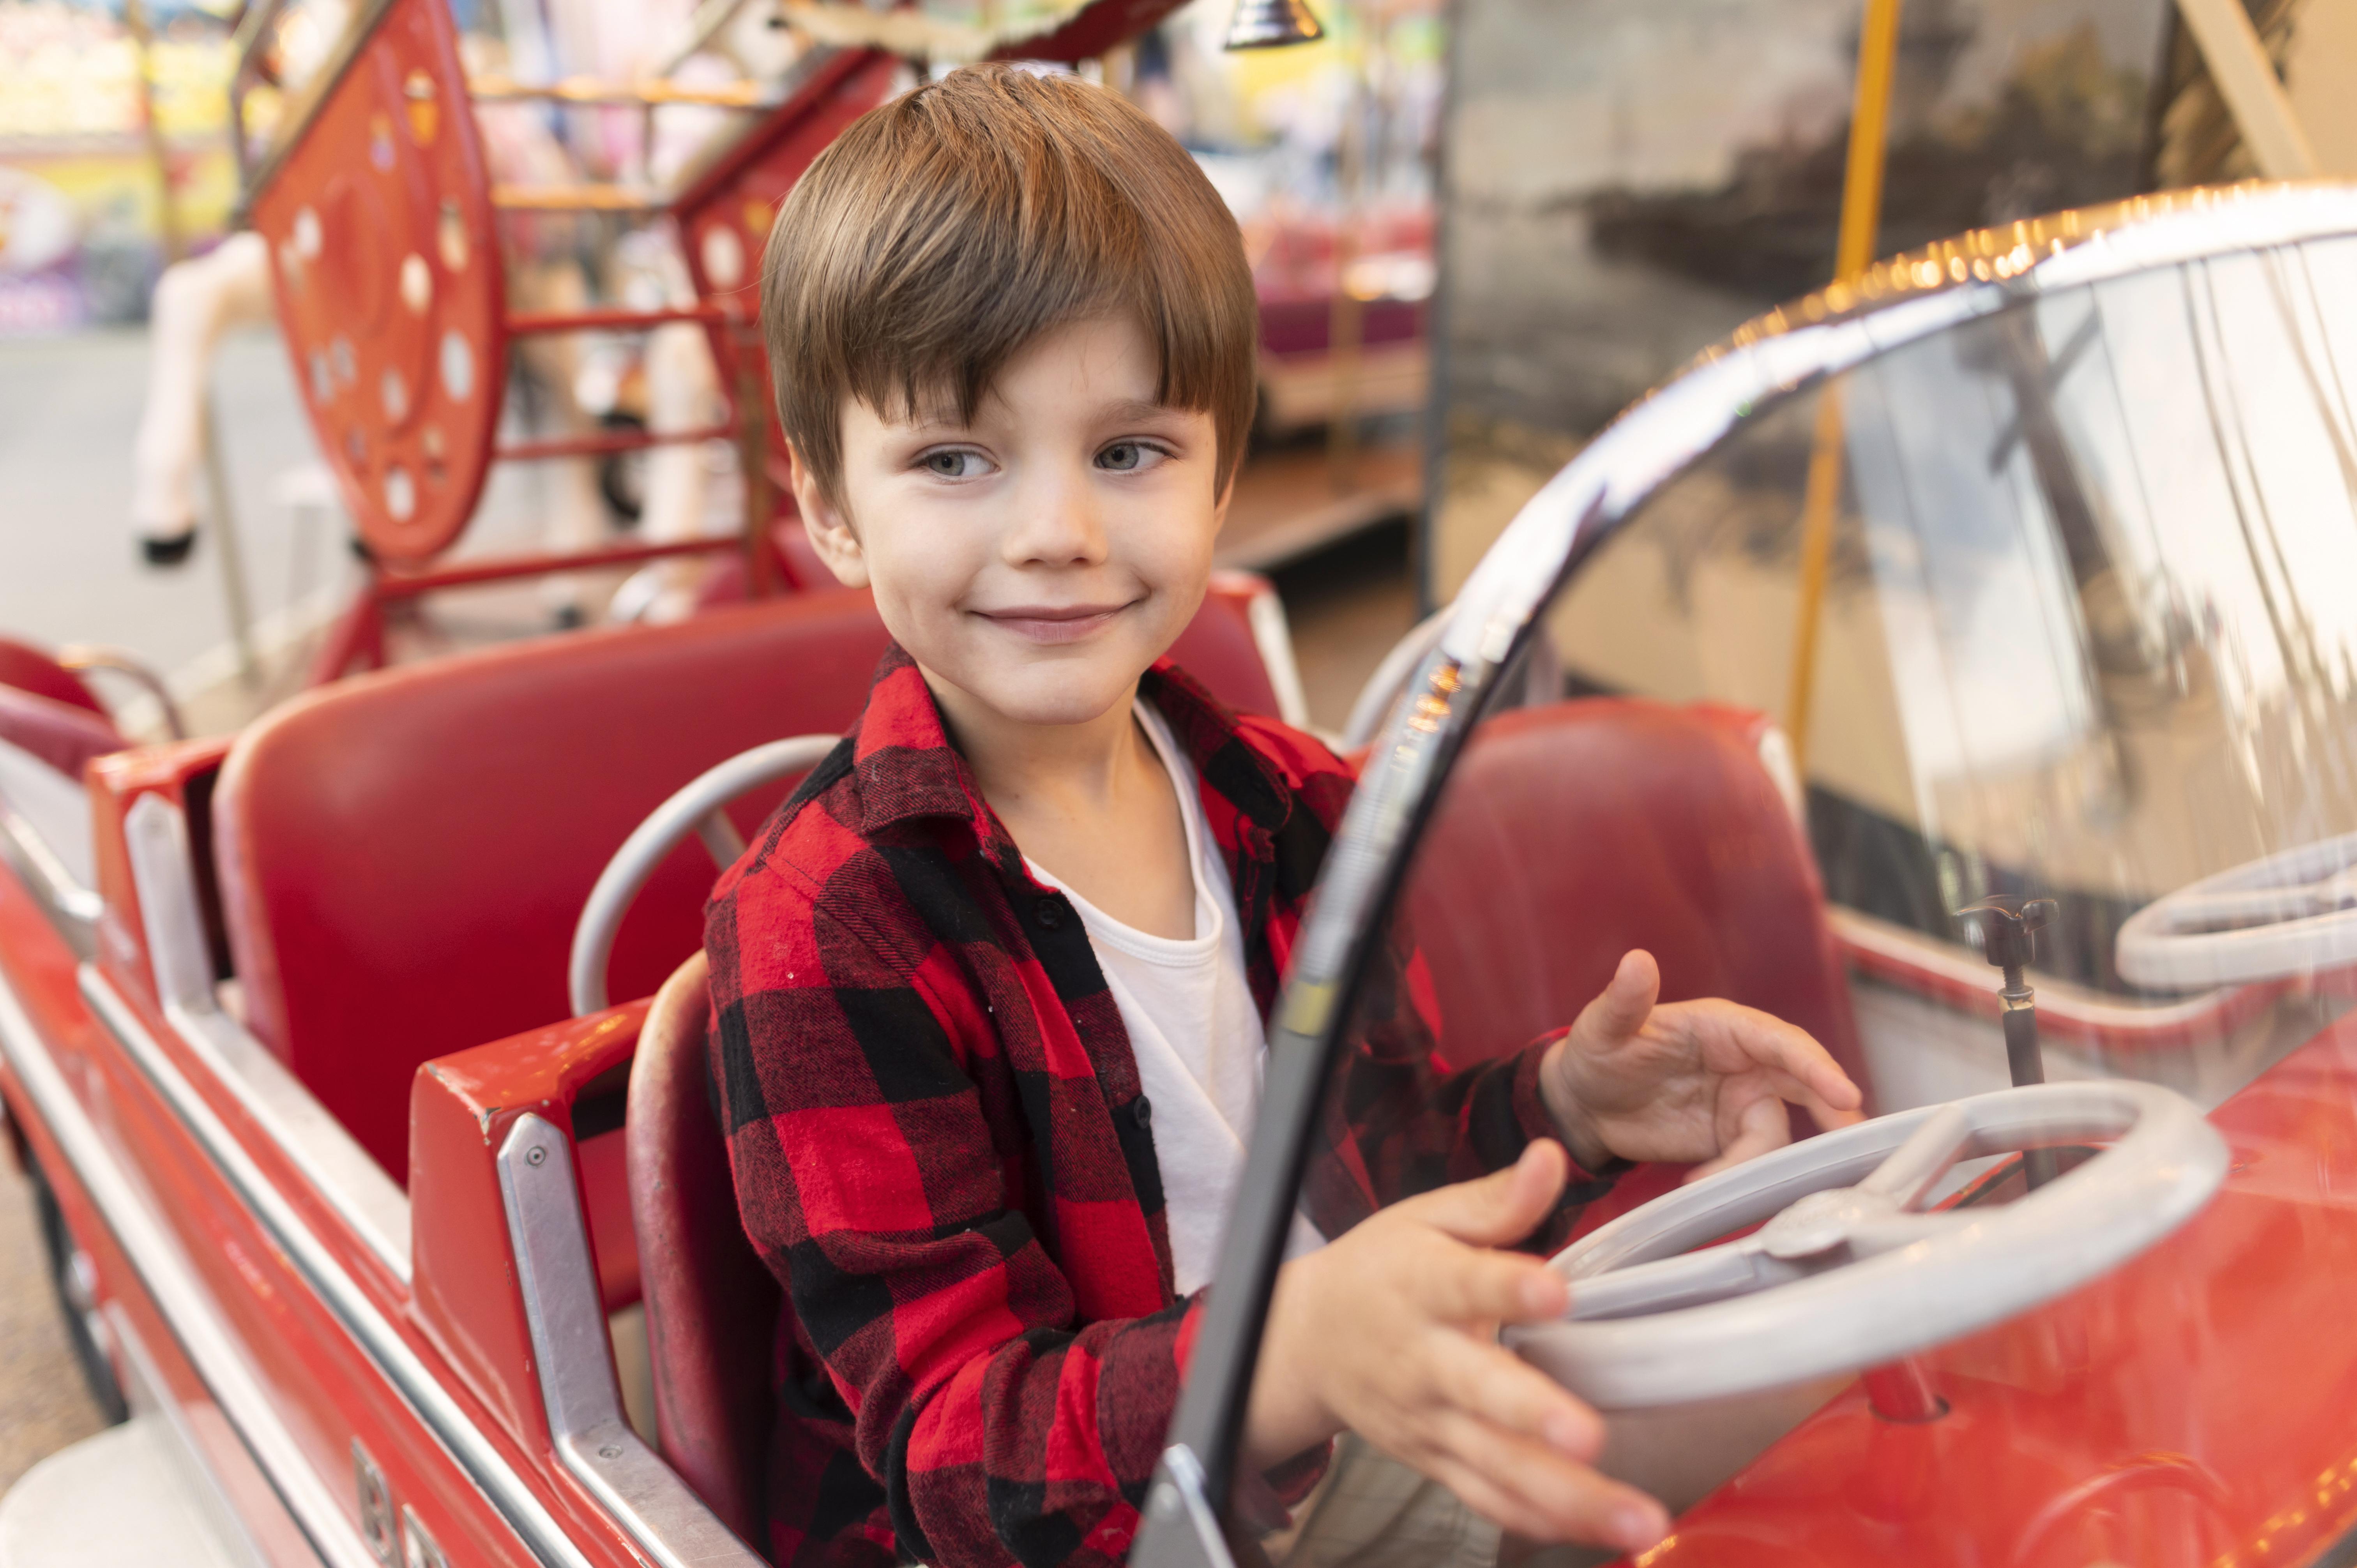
x=2008, y=926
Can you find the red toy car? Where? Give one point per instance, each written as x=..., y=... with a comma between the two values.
x=2083, y=706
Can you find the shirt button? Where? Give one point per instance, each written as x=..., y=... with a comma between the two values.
x=1048, y=912
x=1141, y=1110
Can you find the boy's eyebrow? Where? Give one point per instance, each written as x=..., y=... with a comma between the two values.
x=1141, y=408
x=940, y=418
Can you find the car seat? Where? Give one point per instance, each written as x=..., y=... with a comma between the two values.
x=28, y=668
x=402, y=855
x=1575, y=831
x=49, y=712
x=712, y=1307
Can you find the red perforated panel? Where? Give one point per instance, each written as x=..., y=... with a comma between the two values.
x=390, y=284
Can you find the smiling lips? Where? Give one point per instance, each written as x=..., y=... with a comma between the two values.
x=1051, y=624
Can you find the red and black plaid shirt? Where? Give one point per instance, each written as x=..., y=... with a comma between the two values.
x=941, y=1149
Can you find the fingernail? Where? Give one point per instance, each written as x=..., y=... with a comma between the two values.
x=1635, y=1528
x=1545, y=1295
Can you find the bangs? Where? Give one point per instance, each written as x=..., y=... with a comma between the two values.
x=943, y=233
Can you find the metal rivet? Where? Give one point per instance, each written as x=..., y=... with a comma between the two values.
x=535, y=1156
x=612, y=1451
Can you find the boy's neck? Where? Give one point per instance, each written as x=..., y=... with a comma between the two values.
x=1024, y=768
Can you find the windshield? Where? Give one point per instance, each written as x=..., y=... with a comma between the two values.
x=1984, y=710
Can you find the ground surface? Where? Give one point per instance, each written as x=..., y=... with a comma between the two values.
x=69, y=573
x=43, y=1404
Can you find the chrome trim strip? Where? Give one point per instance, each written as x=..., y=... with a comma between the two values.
x=569, y=1345
x=433, y=1403
x=155, y=833
x=72, y=907
x=179, y=1296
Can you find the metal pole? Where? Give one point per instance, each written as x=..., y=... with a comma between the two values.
x=1861, y=220
x=2008, y=928
x=224, y=518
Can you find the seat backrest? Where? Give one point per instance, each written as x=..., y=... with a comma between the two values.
x=28, y=668
x=1222, y=649
x=1576, y=831
x=63, y=734
x=402, y=855
x=712, y=1307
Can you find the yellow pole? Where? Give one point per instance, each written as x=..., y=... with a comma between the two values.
x=1861, y=220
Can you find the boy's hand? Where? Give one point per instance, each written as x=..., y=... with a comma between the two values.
x=1392, y=1331
x=1692, y=1082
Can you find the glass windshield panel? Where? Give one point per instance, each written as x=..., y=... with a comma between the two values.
x=2087, y=641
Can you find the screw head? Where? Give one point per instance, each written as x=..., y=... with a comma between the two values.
x=610, y=1451
x=536, y=1155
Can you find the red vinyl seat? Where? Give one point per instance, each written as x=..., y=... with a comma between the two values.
x=402, y=855
x=47, y=710
x=28, y=668
x=1576, y=831
x=711, y=1305
x=63, y=734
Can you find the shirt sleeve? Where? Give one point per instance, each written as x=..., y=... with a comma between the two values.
x=1002, y=1429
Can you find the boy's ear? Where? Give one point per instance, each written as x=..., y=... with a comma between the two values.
x=829, y=528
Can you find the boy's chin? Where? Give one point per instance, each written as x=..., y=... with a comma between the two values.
x=1059, y=698
x=1050, y=692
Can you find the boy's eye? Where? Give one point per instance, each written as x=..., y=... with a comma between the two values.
x=1130, y=456
x=952, y=464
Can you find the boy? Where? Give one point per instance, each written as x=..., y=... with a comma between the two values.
x=989, y=991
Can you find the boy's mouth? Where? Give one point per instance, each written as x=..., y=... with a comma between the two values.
x=1053, y=623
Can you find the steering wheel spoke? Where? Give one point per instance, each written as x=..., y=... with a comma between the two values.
x=1691, y=1279
x=1907, y=1177
x=1894, y=1233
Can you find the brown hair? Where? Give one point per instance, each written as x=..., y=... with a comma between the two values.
x=943, y=231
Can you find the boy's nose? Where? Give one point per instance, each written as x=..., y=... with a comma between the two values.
x=1056, y=524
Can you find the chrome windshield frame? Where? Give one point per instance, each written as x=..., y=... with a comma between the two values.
x=1779, y=355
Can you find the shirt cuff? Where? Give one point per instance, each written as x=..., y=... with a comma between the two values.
x=1531, y=1115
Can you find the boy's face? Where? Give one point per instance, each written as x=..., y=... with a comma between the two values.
x=1040, y=558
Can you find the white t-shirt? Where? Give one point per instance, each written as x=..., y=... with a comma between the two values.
x=1189, y=1009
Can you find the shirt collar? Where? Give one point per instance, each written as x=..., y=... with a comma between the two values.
x=909, y=771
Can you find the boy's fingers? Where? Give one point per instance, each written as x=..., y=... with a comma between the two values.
x=1761, y=1126
x=1502, y=1207
x=1626, y=1003
x=1794, y=1055
x=1489, y=1380
x=1470, y=1284
x=1549, y=1497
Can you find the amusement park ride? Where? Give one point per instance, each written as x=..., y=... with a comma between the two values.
x=407, y=1249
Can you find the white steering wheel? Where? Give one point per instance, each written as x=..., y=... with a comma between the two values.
x=1841, y=1278
x=697, y=809
x=2283, y=915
